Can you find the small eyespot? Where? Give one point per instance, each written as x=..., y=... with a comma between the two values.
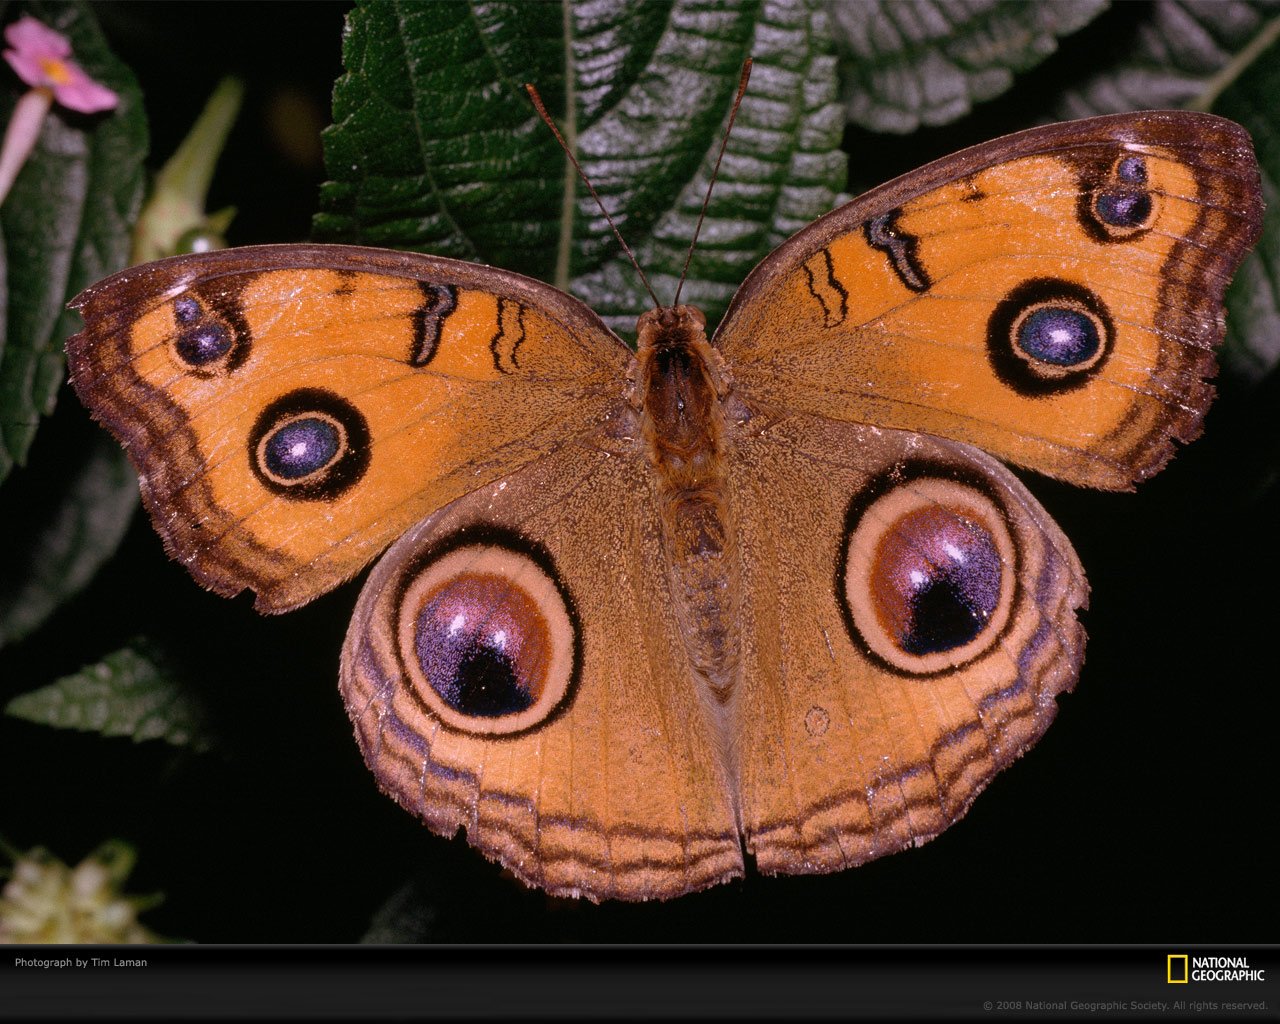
x=816, y=721
x=1117, y=204
x=309, y=445
x=929, y=573
x=204, y=344
x=1132, y=169
x=487, y=638
x=186, y=310
x=1048, y=335
x=1123, y=209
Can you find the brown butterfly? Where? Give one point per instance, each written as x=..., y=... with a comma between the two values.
x=647, y=613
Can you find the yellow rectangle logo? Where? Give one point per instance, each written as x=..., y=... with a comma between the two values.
x=1183, y=971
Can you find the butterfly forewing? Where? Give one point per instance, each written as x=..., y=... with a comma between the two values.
x=291, y=410
x=1052, y=297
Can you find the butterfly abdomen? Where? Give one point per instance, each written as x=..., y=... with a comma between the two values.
x=681, y=383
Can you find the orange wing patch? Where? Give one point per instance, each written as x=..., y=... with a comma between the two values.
x=1056, y=308
x=307, y=416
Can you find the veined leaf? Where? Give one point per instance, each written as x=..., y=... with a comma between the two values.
x=903, y=65
x=60, y=537
x=129, y=693
x=65, y=224
x=436, y=147
x=1252, y=347
x=1162, y=54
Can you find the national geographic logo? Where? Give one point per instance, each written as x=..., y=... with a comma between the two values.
x=1183, y=968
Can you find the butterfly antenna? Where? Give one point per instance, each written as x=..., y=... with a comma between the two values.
x=737, y=102
x=542, y=112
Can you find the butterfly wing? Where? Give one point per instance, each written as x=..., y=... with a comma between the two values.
x=514, y=669
x=1052, y=297
x=908, y=619
x=292, y=409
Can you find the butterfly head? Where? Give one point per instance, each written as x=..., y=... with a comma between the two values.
x=670, y=327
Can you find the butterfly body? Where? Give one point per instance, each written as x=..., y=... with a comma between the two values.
x=684, y=429
x=768, y=594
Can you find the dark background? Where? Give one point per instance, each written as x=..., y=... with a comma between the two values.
x=1145, y=814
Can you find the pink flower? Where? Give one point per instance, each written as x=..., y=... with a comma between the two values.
x=40, y=56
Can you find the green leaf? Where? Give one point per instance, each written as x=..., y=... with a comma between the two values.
x=129, y=693
x=1205, y=56
x=59, y=540
x=64, y=225
x=436, y=147
x=903, y=65
x=1162, y=54
x=1252, y=348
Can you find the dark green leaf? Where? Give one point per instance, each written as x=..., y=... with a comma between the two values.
x=432, y=145
x=436, y=147
x=129, y=693
x=1176, y=53
x=70, y=529
x=1253, y=303
x=903, y=65
x=65, y=224
x=1163, y=54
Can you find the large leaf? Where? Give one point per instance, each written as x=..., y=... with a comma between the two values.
x=1253, y=302
x=1162, y=54
x=903, y=65
x=65, y=224
x=130, y=693
x=61, y=531
x=436, y=147
x=1210, y=56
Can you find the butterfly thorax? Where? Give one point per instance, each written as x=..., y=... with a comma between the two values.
x=682, y=382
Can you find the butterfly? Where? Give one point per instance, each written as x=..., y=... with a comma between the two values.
x=769, y=593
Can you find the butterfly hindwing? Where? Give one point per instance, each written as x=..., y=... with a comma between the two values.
x=514, y=669
x=908, y=621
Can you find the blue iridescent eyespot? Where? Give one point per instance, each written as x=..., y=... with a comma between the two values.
x=1117, y=204
x=204, y=344
x=936, y=581
x=1049, y=335
x=301, y=447
x=927, y=576
x=1059, y=335
x=1132, y=169
x=487, y=633
x=1123, y=209
x=206, y=340
x=186, y=310
x=309, y=445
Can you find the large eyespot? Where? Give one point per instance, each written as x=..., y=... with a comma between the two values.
x=928, y=571
x=1058, y=335
x=302, y=446
x=208, y=341
x=488, y=638
x=1048, y=335
x=309, y=445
